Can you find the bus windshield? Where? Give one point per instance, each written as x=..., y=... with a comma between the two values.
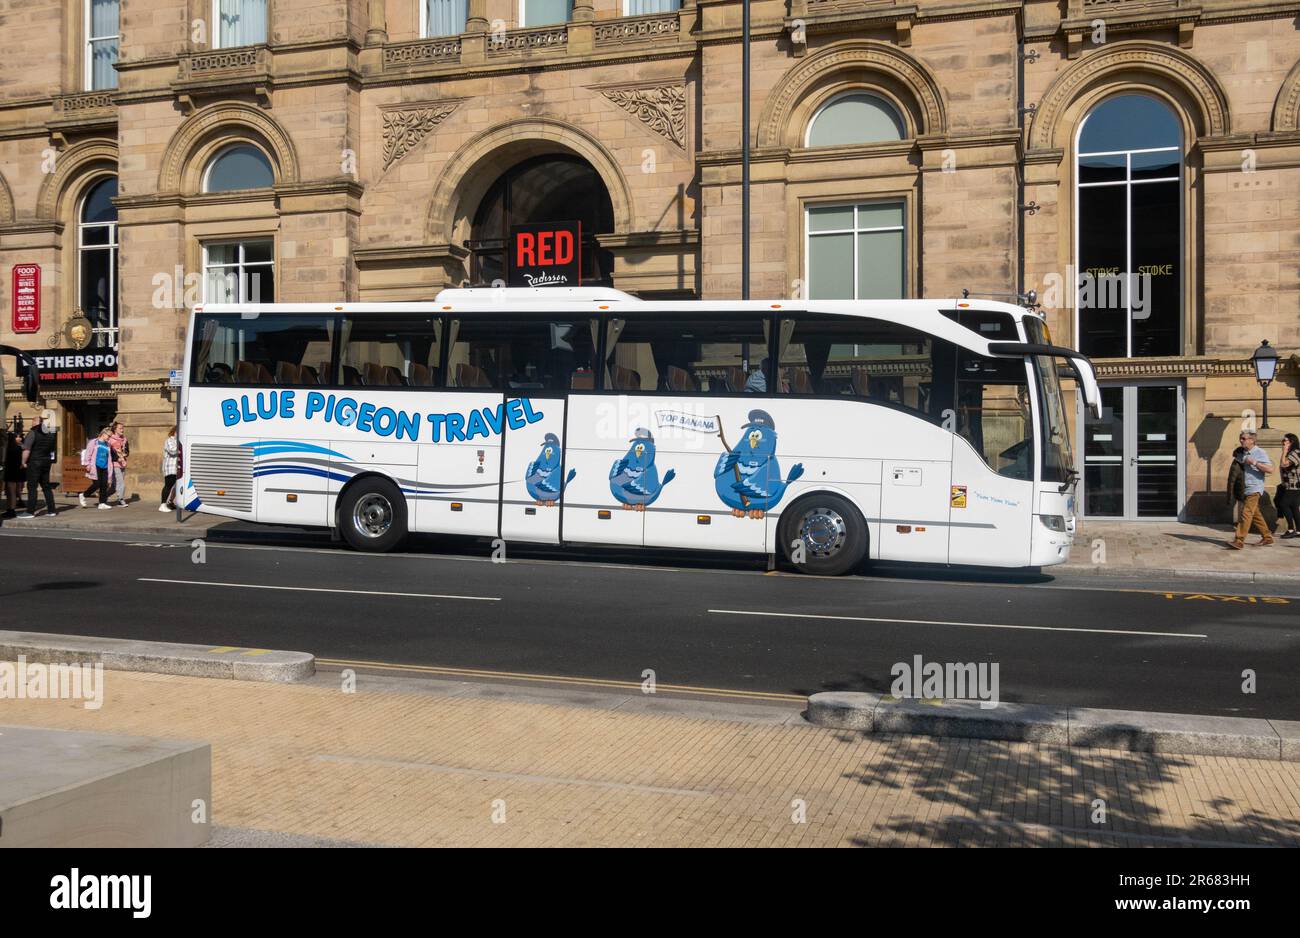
x=1058, y=456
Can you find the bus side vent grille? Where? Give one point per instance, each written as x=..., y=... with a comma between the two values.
x=222, y=475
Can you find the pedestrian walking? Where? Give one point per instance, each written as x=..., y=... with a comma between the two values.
x=97, y=458
x=1236, y=484
x=121, y=450
x=1288, y=501
x=13, y=457
x=39, y=447
x=1255, y=465
x=169, y=472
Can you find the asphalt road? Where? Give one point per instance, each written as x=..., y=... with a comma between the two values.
x=695, y=620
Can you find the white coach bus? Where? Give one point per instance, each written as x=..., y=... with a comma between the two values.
x=921, y=430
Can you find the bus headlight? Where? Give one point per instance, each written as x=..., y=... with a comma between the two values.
x=1053, y=522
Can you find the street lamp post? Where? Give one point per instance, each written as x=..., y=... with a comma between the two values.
x=1265, y=362
x=744, y=151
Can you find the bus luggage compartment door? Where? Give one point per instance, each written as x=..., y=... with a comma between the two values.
x=534, y=472
x=914, y=498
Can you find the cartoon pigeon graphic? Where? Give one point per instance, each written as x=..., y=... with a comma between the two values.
x=543, y=475
x=748, y=479
x=634, y=480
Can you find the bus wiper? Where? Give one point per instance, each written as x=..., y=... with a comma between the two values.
x=1071, y=476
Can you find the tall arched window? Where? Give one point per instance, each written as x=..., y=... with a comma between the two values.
x=855, y=117
x=97, y=259
x=1129, y=235
x=242, y=166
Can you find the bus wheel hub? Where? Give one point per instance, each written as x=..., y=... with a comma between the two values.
x=822, y=531
x=373, y=515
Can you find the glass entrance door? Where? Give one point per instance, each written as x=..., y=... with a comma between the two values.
x=1133, y=453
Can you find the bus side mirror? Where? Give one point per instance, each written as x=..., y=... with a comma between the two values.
x=31, y=385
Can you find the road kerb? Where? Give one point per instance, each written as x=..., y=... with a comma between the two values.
x=1173, y=573
x=118, y=654
x=1076, y=727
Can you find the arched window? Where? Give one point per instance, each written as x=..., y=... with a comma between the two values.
x=97, y=258
x=552, y=187
x=856, y=117
x=242, y=166
x=1129, y=235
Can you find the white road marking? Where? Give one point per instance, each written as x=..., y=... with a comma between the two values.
x=317, y=589
x=969, y=625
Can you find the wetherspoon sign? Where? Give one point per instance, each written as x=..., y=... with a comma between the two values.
x=27, y=298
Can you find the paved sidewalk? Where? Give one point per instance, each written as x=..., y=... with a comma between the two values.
x=1140, y=548
x=139, y=517
x=409, y=763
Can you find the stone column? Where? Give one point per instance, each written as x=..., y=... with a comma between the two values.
x=473, y=45
x=582, y=31
x=377, y=34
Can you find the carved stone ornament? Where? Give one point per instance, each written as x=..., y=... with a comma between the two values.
x=405, y=127
x=661, y=108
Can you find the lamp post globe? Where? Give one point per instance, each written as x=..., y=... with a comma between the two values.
x=1265, y=363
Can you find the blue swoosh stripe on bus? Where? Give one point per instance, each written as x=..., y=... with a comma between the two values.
x=266, y=447
x=293, y=470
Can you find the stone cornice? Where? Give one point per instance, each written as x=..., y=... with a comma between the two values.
x=35, y=226
x=407, y=254
x=1194, y=366
x=683, y=237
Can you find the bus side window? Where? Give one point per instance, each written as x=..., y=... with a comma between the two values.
x=687, y=355
x=268, y=349
x=391, y=350
x=522, y=354
x=866, y=358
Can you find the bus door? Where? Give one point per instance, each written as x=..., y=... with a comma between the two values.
x=992, y=463
x=534, y=470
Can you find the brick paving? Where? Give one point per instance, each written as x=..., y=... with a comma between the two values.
x=419, y=769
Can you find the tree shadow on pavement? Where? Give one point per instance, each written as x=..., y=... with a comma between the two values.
x=989, y=793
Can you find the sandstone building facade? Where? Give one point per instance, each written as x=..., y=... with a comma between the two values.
x=156, y=153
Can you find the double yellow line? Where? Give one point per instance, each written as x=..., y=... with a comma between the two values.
x=560, y=679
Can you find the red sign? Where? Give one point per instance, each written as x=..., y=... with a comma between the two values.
x=27, y=298
x=546, y=255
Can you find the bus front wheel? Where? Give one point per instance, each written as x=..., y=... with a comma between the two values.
x=372, y=515
x=823, y=534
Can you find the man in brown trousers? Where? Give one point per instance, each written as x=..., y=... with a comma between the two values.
x=1255, y=465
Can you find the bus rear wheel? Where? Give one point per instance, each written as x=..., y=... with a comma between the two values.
x=823, y=535
x=372, y=515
